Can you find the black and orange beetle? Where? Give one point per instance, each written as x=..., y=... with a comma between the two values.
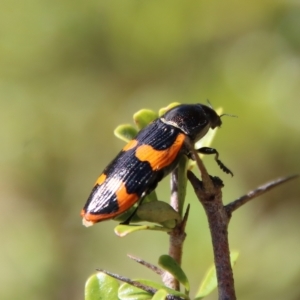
x=147, y=159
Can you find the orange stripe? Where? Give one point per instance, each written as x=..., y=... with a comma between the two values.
x=100, y=179
x=130, y=145
x=159, y=159
x=125, y=201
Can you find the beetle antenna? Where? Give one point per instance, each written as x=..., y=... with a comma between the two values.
x=229, y=115
x=209, y=104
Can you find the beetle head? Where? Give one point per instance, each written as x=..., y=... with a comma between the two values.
x=193, y=119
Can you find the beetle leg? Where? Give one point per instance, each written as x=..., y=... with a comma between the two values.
x=208, y=150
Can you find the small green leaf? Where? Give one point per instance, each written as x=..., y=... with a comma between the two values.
x=151, y=197
x=101, y=286
x=123, y=230
x=129, y=292
x=125, y=132
x=158, y=212
x=165, y=109
x=209, y=283
x=124, y=216
x=135, y=218
x=160, y=295
x=170, y=265
x=170, y=224
x=144, y=117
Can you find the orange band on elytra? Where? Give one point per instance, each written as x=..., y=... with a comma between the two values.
x=125, y=201
x=100, y=179
x=158, y=159
x=130, y=145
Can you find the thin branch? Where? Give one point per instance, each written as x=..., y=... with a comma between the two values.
x=185, y=217
x=208, y=185
x=234, y=205
x=152, y=267
x=137, y=284
x=174, y=200
x=177, y=234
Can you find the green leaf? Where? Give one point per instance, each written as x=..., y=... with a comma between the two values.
x=170, y=265
x=144, y=117
x=124, y=216
x=100, y=286
x=160, y=295
x=158, y=212
x=123, y=230
x=151, y=197
x=209, y=283
x=125, y=132
x=129, y=292
x=165, y=109
x=135, y=218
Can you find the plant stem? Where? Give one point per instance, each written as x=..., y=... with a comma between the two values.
x=209, y=194
x=177, y=235
x=218, y=224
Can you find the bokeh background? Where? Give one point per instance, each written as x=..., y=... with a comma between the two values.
x=71, y=71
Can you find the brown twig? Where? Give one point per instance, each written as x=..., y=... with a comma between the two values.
x=209, y=194
x=152, y=267
x=177, y=235
x=234, y=205
x=208, y=185
x=137, y=284
x=218, y=224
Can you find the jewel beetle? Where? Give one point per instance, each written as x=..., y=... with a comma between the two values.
x=147, y=159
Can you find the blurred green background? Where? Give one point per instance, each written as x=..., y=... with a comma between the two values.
x=71, y=71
